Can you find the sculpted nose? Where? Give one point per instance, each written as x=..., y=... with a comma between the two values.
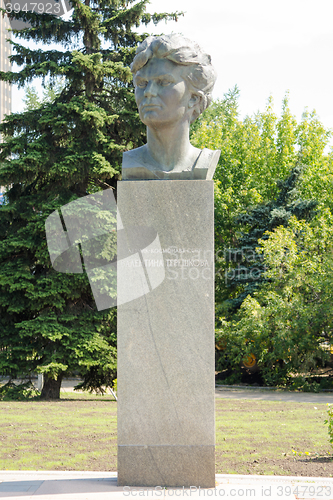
x=150, y=89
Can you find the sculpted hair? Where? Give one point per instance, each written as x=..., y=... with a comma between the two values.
x=200, y=76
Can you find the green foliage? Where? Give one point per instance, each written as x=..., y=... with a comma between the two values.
x=50, y=93
x=318, y=178
x=273, y=277
x=300, y=383
x=246, y=271
x=329, y=422
x=257, y=154
x=31, y=99
x=19, y=392
x=286, y=321
x=65, y=146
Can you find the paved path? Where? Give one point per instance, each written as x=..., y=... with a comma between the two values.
x=103, y=486
x=232, y=392
x=273, y=395
x=251, y=393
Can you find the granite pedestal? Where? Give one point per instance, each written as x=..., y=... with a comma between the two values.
x=166, y=427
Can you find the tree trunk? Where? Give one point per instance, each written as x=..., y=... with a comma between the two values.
x=51, y=387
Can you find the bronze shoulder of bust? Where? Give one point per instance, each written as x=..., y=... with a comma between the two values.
x=135, y=168
x=173, y=81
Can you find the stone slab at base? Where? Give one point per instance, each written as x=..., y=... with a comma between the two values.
x=166, y=345
x=170, y=466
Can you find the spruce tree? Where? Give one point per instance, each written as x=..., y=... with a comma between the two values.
x=246, y=272
x=63, y=150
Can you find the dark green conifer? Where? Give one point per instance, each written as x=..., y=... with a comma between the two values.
x=65, y=149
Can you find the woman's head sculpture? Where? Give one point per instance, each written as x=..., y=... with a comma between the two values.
x=173, y=81
x=198, y=73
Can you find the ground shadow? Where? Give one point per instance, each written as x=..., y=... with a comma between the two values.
x=58, y=486
x=319, y=460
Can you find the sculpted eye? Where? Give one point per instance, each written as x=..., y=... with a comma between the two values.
x=142, y=84
x=165, y=82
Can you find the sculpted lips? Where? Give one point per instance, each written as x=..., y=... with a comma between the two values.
x=149, y=106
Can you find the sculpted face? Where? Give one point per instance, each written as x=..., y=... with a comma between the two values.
x=161, y=93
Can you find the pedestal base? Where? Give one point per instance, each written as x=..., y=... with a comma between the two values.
x=166, y=347
x=170, y=466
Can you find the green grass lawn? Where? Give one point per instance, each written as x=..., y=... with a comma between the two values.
x=272, y=437
x=79, y=432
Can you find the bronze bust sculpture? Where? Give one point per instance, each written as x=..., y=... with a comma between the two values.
x=173, y=81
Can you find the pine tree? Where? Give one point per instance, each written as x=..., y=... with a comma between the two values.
x=65, y=149
x=246, y=264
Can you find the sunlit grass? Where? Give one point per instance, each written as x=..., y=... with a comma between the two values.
x=251, y=433
x=79, y=433
x=76, y=433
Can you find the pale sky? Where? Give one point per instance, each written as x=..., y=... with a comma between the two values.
x=265, y=47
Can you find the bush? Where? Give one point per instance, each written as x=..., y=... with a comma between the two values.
x=264, y=327
x=329, y=422
x=20, y=392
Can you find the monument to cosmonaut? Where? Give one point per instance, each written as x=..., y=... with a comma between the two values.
x=166, y=386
